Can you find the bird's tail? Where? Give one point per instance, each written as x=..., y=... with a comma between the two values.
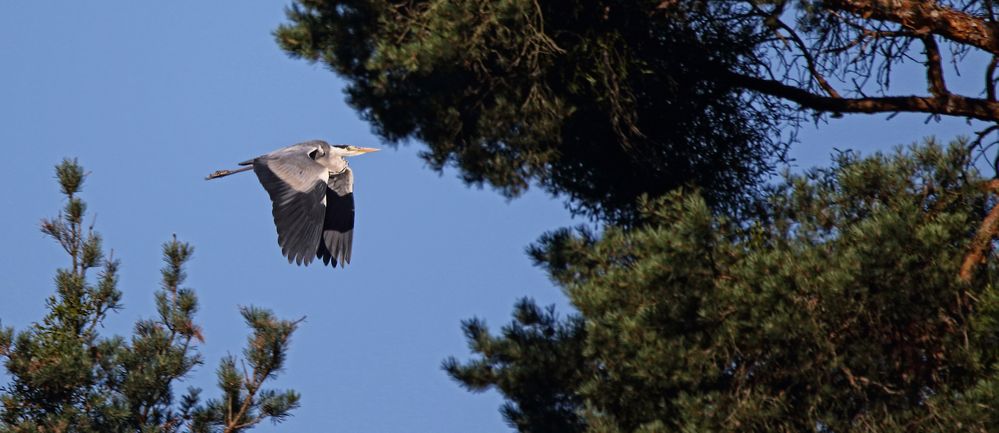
x=224, y=173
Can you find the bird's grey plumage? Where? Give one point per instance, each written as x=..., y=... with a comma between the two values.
x=312, y=194
x=297, y=214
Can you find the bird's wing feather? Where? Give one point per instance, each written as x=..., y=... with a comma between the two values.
x=338, y=224
x=297, y=186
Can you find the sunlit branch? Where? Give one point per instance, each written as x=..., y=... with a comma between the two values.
x=926, y=17
x=953, y=105
x=934, y=70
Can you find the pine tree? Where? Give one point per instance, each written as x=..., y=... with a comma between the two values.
x=837, y=307
x=594, y=106
x=67, y=377
x=602, y=101
x=847, y=299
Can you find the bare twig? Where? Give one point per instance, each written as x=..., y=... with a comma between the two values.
x=980, y=135
x=809, y=60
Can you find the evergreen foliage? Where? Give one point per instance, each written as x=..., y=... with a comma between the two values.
x=537, y=363
x=603, y=101
x=67, y=377
x=836, y=307
x=828, y=303
x=597, y=107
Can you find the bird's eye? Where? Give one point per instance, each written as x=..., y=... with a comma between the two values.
x=316, y=154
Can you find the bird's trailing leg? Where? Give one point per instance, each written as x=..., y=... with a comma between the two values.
x=224, y=173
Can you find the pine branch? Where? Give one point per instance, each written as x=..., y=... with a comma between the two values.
x=953, y=105
x=934, y=71
x=926, y=17
x=982, y=240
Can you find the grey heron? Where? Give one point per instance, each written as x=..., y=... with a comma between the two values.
x=312, y=193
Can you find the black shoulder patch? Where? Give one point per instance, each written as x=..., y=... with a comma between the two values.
x=338, y=229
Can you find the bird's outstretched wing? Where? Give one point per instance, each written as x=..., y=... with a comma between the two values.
x=338, y=224
x=297, y=186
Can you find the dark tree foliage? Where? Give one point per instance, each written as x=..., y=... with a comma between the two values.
x=839, y=303
x=537, y=363
x=603, y=101
x=600, y=102
x=837, y=308
x=66, y=377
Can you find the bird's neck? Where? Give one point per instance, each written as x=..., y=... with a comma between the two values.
x=337, y=165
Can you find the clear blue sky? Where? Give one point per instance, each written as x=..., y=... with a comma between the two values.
x=153, y=97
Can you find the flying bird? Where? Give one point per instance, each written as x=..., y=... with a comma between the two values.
x=312, y=192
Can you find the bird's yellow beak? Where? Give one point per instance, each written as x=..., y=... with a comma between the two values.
x=363, y=150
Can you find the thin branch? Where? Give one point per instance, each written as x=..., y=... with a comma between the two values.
x=990, y=81
x=862, y=380
x=249, y=423
x=934, y=70
x=982, y=150
x=980, y=135
x=809, y=60
x=233, y=423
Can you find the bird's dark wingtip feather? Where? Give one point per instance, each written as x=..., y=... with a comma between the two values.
x=298, y=216
x=338, y=227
